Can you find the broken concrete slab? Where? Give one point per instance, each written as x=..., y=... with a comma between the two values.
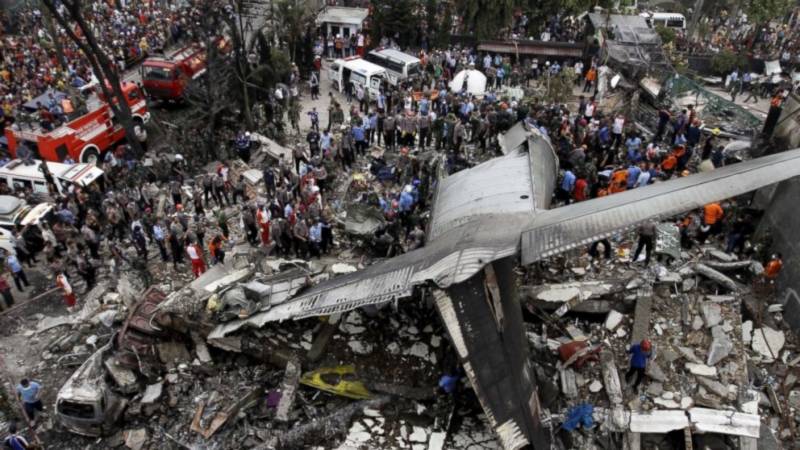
x=717, y=277
x=291, y=379
x=201, y=349
x=569, y=386
x=595, y=386
x=701, y=369
x=135, y=439
x=611, y=377
x=712, y=314
x=768, y=342
x=655, y=372
x=659, y=421
x=747, y=331
x=613, y=320
x=688, y=353
x=720, y=348
x=124, y=378
x=717, y=388
x=666, y=403
x=152, y=393
x=697, y=323
x=725, y=422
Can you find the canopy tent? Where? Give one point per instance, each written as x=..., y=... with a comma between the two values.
x=471, y=80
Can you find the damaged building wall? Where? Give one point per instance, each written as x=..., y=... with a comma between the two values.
x=781, y=220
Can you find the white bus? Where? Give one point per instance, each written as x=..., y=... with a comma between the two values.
x=666, y=19
x=355, y=71
x=399, y=66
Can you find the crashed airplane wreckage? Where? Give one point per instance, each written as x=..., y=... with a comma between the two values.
x=481, y=219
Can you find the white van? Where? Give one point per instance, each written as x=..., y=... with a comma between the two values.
x=399, y=66
x=357, y=72
x=18, y=176
x=666, y=19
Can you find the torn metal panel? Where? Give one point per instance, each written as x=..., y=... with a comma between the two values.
x=513, y=138
x=658, y=421
x=725, y=422
x=580, y=224
x=545, y=169
x=363, y=220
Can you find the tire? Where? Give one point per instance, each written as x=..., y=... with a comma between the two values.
x=90, y=155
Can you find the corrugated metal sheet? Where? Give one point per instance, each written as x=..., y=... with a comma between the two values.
x=734, y=423
x=513, y=138
x=579, y=224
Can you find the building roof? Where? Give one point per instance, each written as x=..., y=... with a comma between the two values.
x=341, y=14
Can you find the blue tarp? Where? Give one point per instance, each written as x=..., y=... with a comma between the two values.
x=579, y=415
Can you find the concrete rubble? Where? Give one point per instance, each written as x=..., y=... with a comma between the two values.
x=368, y=377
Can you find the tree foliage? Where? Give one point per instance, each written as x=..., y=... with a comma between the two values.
x=395, y=19
x=726, y=60
x=485, y=18
x=761, y=11
x=667, y=35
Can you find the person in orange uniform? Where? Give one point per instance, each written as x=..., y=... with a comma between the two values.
x=619, y=181
x=712, y=221
x=773, y=267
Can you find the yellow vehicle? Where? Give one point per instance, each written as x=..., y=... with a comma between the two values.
x=339, y=380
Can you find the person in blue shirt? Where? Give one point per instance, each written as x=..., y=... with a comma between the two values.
x=406, y=201
x=28, y=393
x=15, y=267
x=359, y=137
x=633, y=175
x=640, y=353
x=567, y=186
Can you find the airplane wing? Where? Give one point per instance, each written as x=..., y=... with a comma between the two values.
x=477, y=217
x=561, y=229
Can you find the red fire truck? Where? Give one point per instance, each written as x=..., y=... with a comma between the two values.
x=166, y=78
x=84, y=137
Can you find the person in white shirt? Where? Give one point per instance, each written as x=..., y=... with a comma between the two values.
x=616, y=130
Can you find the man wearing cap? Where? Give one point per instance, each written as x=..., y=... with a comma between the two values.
x=640, y=353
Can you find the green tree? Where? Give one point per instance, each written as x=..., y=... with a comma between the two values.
x=667, y=35
x=394, y=18
x=761, y=11
x=486, y=18
x=726, y=60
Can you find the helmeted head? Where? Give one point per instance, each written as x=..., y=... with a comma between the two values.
x=646, y=345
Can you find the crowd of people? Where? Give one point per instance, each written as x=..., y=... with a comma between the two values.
x=29, y=61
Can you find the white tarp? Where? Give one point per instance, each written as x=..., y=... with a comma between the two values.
x=474, y=80
x=772, y=67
